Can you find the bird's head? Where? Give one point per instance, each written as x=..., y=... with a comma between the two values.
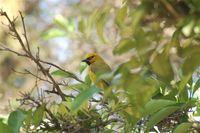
x=91, y=58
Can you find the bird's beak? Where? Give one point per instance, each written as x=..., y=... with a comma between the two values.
x=86, y=61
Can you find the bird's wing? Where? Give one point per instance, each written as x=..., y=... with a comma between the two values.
x=100, y=68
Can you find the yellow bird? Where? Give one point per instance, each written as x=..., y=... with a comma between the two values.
x=97, y=67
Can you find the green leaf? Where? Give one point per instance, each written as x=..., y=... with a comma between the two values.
x=52, y=33
x=64, y=23
x=91, y=21
x=157, y=104
x=134, y=62
x=160, y=115
x=184, y=81
x=175, y=40
x=123, y=46
x=109, y=131
x=162, y=67
x=28, y=118
x=191, y=63
x=81, y=25
x=187, y=29
x=16, y=119
x=38, y=115
x=5, y=128
x=82, y=97
x=189, y=51
x=83, y=66
x=78, y=86
x=100, y=24
x=61, y=21
x=191, y=56
x=121, y=15
x=138, y=97
x=62, y=108
x=138, y=14
x=61, y=73
x=182, y=128
x=196, y=86
x=87, y=80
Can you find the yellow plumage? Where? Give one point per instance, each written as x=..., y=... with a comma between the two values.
x=97, y=67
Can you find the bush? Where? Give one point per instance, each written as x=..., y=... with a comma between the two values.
x=154, y=90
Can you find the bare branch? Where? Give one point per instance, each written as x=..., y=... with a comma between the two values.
x=56, y=66
x=28, y=52
x=25, y=34
x=3, y=48
x=169, y=7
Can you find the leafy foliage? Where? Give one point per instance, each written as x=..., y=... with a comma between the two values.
x=154, y=88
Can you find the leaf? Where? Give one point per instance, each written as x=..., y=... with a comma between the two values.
x=138, y=97
x=62, y=109
x=196, y=86
x=138, y=14
x=64, y=23
x=187, y=29
x=183, y=91
x=162, y=67
x=191, y=63
x=61, y=73
x=61, y=21
x=134, y=62
x=191, y=56
x=157, y=104
x=160, y=115
x=108, y=131
x=78, y=86
x=184, y=81
x=52, y=33
x=175, y=39
x=38, y=115
x=121, y=15
x=189, y=51
x=123, y=46
x=16, y=119
x=87, y=80
x=183, y=128
x=100, y=24
x=83, y=66
x=28, y=118
x=91, y=21
x=81, y=25
x=5, y=128
x=82, y=97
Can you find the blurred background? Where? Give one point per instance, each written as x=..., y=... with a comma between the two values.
x=51, y=26
x=58, y=29
x=152, y=44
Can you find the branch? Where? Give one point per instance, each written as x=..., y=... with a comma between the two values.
x=56, y=66
x=54, y=119
x=170, y=8
x=3, y=48
x=25, y=34
x=13, y=29
x=28, y=52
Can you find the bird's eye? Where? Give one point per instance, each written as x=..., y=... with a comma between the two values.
x=89, y=58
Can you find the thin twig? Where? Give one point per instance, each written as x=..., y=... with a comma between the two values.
x=3, y=48
x=30, y=56
x=25, y=34
x=56, y=66
x=169, y=7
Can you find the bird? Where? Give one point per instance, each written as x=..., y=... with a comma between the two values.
x=97, y=67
